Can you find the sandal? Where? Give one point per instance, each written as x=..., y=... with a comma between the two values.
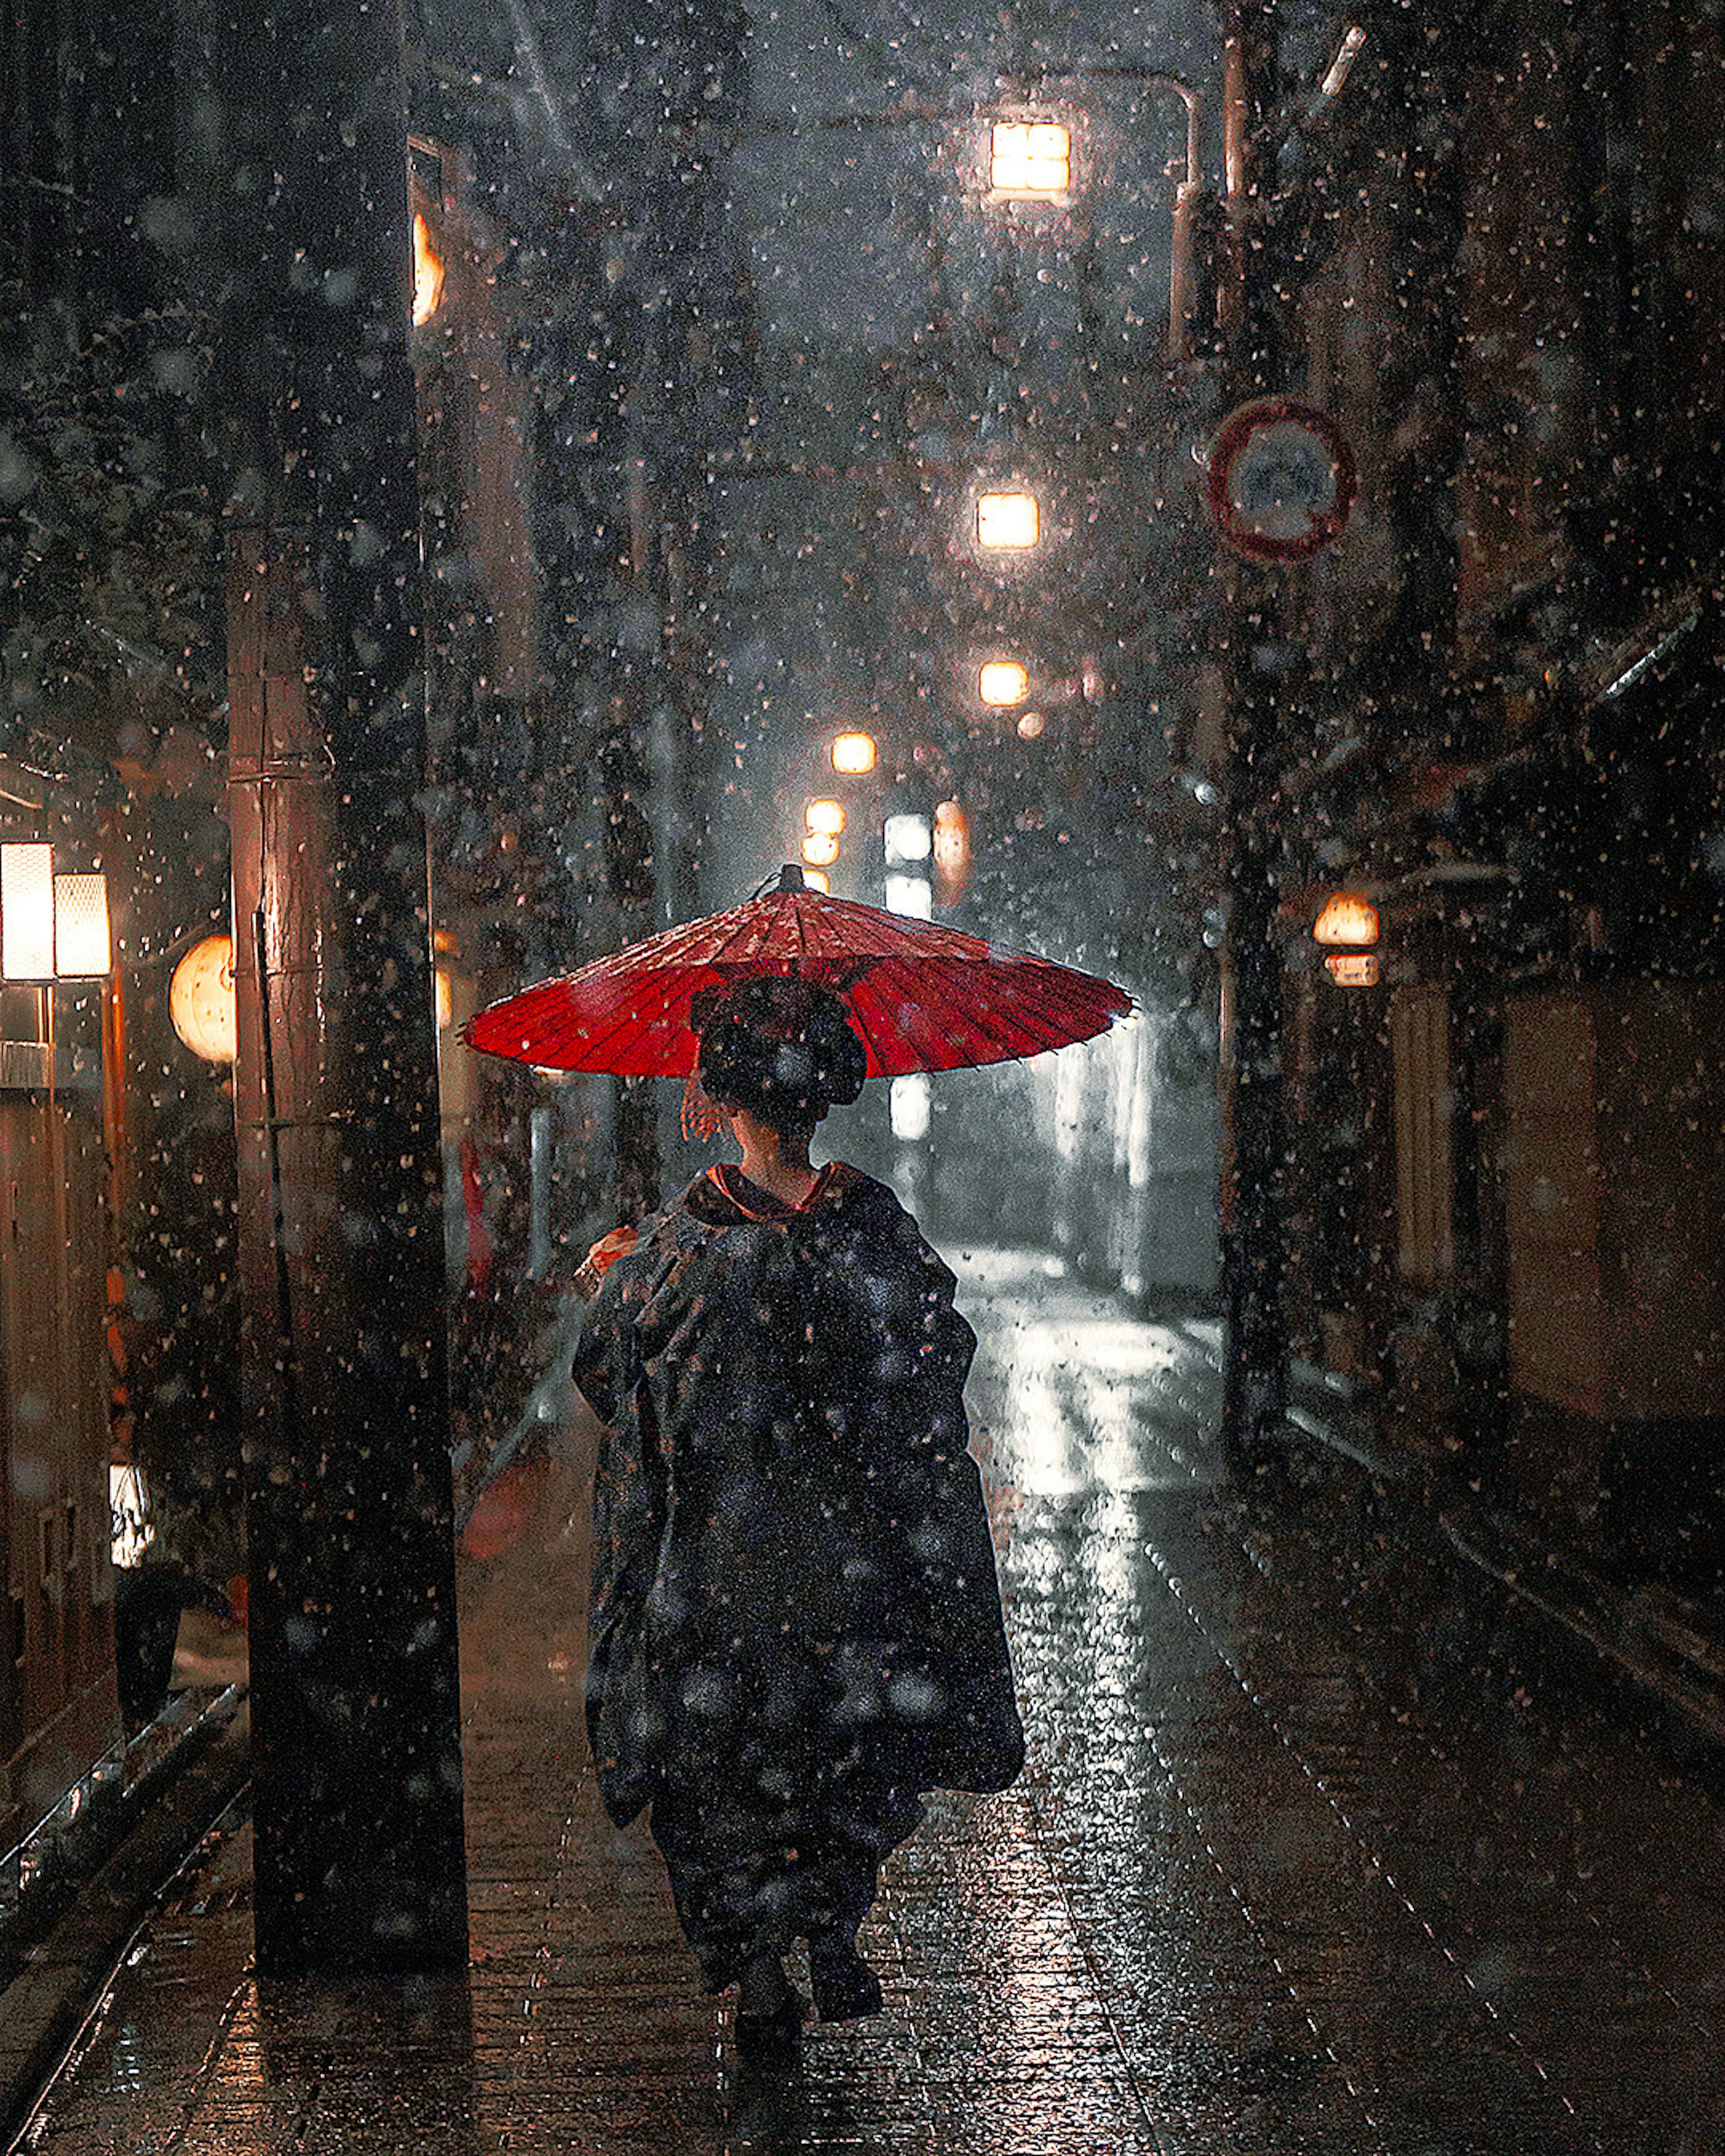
x=772, y=2038
x=769, y=2028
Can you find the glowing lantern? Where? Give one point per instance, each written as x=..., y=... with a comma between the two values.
x=908, y=839
x=854, y=753
x=1029, y=160
x=1008, y=523
x=1002, y=682
x=1352, y=969
x=825, y=816
x=27, y=912
x=200, y=1000
x=1346, y=919
x=951, y=852
x=82, y=947
x=820, y=849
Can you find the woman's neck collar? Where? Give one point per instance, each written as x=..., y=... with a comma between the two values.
x=776, y=1161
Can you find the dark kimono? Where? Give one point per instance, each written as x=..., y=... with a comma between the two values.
x=795, y=1625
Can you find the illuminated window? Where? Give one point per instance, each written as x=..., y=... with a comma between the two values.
x=827, y=816
x=854, y=753
x=428, y=273
x=908, y=1104
x=1002, y=682
x=912, y=895
x=1009, y=523
x=908, y=839
x=1029, y=160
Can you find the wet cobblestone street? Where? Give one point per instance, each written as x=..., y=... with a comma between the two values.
x=1319, y=1853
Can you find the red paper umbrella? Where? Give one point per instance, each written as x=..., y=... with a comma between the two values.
x=922, y=998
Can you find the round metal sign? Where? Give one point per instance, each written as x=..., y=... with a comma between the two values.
x=1282, y=479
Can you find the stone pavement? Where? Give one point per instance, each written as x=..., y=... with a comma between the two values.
x=1321, y=1852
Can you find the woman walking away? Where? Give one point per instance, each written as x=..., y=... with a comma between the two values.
x=795, y=1622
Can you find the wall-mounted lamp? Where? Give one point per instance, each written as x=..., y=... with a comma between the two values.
x=1347, y=927
x=52, y=928
x=1346, y=919
x=200, y=1000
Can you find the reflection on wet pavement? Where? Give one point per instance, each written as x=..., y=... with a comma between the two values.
x=1315, y=1857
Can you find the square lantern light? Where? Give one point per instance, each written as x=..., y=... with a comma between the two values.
x=822, y=824
x=52, y=928
x=1029, y=160
x=1008, y=523
x=854, y=754
x=27, y=912
x=82, y=945
x=1003, y=683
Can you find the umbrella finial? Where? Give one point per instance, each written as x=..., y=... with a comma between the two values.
x=791, y=878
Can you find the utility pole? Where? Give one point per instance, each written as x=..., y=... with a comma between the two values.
x=354, y=1677
x=1254, y=1116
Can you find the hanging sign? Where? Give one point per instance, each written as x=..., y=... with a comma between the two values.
x=1282, y=479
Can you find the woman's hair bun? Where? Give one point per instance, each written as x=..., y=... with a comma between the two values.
x=780, y=1046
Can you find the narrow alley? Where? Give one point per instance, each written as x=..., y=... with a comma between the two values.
x=1322, y=1851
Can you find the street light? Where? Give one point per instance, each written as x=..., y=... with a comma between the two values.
x=854, y=754
x=1030, y=161
x=823, y=822
x=1008, y=523
x=1002, y=683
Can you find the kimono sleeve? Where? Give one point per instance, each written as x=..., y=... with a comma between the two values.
x=602, y=1368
